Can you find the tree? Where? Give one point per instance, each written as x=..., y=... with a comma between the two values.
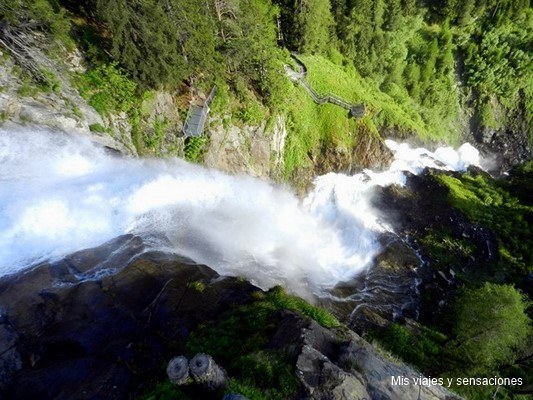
x=464, y=11
x=409, y=7
x=429, y=67
x=491, y=323
x=19, y=20
x=446, y=59
x=315, y=23
x=144, y=40
x=394, y=14
x=412, y=79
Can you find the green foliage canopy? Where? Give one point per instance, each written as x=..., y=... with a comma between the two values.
x=491, y=323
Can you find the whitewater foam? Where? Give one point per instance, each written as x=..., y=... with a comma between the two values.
x=59, y=194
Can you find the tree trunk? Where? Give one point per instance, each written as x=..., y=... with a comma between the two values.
x=207, y=373
x=178, y=370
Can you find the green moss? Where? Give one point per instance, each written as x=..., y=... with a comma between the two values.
x=264, y=375
x=77, y=112
x=28, y=89
x=280, y=300
x=155, y=139
x=237, y=340
x=199, y=286
x=446, y=250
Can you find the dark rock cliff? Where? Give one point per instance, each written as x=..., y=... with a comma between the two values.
x=106, y=336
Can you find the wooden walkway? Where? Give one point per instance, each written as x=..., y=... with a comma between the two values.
x=356, y=110
x=197, y=116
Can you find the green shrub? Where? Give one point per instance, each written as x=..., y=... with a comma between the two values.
x=108, y=89
x=194, y=147
x=154, y=141
x=422, y=349
x=97, y=128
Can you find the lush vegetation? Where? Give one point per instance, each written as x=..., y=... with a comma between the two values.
x=490, y=335
x=485, y=329
x=238, y=341
x=400, y=58
x=194, y=147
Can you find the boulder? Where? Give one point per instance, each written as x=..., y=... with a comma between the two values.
x=337, y=364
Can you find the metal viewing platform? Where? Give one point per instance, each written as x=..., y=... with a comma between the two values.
x=197, y=116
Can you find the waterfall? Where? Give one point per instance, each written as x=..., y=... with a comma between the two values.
x=61, y=193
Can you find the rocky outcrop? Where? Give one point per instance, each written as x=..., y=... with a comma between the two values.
x=505, y=146
x=337, y=364
x=368, y=152
x=254, y=150
x=503, y=149
x=24, y=103
x=413, y=214
x=386, y=291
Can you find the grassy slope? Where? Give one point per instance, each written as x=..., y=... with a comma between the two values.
x=312, y=127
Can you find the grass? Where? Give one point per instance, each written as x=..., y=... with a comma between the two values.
x=395, y=109
x=446, y=250
x=422, y=349
x=504, y=208
x=99, y=128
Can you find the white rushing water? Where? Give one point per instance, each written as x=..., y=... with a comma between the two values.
x=59, y=194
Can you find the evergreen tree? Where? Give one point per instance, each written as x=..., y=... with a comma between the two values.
x=412, y=79
x=464, y=11
x=429, y=66
x=144, y=40
x=361, y=34
x=315, y=23
x=409, y=7
x=446, y=59
x=394, y=14
x=379, y=15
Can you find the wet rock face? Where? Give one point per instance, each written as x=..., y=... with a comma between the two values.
x=64, y=339
x=386, y=291
x=413, y=213
x=105, y=336
x=506, y=148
